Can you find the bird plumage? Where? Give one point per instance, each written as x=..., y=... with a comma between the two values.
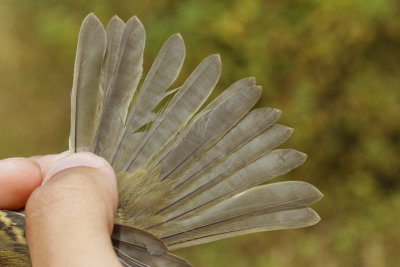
x=186, y=175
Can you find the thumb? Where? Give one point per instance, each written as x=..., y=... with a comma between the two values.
x=69, y=219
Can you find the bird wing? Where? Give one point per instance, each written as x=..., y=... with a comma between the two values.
x=186, y=175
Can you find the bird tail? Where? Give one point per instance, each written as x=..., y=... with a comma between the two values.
x=187, y=174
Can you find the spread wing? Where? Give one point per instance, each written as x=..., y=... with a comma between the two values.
x=187, y=174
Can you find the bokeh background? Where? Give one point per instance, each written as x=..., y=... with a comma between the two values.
x=332, y=66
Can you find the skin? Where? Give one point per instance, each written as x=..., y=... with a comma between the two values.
x=70, y=202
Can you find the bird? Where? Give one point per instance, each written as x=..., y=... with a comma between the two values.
x=188, y=173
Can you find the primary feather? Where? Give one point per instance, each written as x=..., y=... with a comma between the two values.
x=86, y=98
x=126, y=75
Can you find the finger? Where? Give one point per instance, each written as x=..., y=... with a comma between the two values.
x=45, y=161
x=19, y=177
x=69, y=219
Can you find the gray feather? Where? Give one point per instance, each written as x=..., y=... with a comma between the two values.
x=139, y=256
x=152, y=244
x=286, y=219
x=128, y=69
x=86, y=97
x=114, y=32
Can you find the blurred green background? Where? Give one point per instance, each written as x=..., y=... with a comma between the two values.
x=332, y=66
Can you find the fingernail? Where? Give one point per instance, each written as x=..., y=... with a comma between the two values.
x=81, y=159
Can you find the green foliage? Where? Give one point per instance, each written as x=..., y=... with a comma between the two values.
x=333, y=67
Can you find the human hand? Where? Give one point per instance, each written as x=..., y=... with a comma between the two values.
x=69, y=218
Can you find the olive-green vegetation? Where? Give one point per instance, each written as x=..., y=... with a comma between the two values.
x=332, y=66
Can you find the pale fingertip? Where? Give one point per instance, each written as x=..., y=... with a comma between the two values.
x=81, y=159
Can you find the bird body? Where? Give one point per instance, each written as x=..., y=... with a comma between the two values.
x=186, y=175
